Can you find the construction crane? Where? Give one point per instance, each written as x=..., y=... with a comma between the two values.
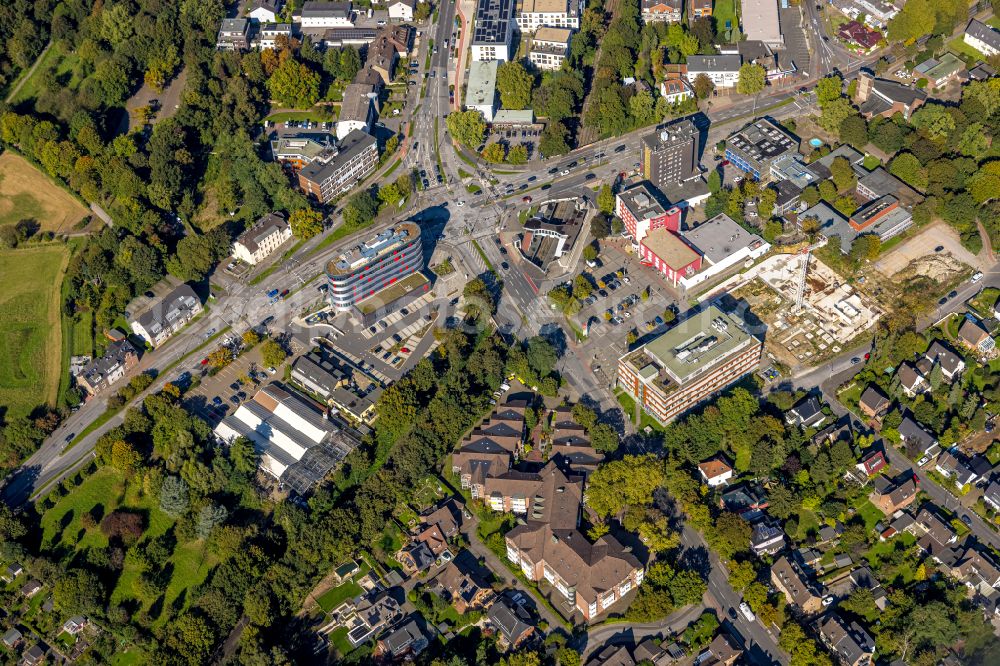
x=800, y=294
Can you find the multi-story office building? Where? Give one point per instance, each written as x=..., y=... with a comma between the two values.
x=757, y=146
x=722, y=70
x=338, y=169
x=263, y=238
x=493, y=31
x=534, y=14
x=549, y=47
x=642, y=208
x=379, y=262
x=670, y=154
x=697, y=358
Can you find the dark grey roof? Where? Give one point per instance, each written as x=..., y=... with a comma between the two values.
x=874, y=399
x=506, y=617
x=493, y=22
x=353, y=145
x=406, y=637
x=264, y=227
x=714, y=63
x=787, y=192
x=807, y=409
x=115, y=355
x=327, y=9
x=176, y=305
x=898, y=92
x=949, y=359
x=910, y=430
x=983, y=33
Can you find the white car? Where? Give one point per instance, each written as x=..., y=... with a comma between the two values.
x=976, y=277
x=747, y=613
x=460, y=204
x=564, y=172
x=827, y=601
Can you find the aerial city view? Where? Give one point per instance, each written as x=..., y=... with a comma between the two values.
x=500, y=332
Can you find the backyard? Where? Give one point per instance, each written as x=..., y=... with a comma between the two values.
x=30, y=331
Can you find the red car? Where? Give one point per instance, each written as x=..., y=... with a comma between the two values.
x=204, y=361
x=284, y=293
x=526, y=199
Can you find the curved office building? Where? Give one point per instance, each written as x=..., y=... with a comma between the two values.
x=379, y=262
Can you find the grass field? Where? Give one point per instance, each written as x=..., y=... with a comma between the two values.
x=56, y=60
x=30, y=330
x=62, y=530
x=725, y=10
x=28, y=194
x=962, y=50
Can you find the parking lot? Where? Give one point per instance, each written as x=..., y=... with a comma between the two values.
x=219, y=395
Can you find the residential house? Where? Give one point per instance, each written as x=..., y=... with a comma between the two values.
x=11, y=638
x=12, y=572
x=767, y=539
x=982, y=72
x=902, y=521
x=798, y=589
x=656, y=653
x=167, y=316
x=33, y=656
x=31, y=588
x=860, y=35
x=346, y=571
x=268, y=35
x=910, y=379
x=916, y=438
x=234, y=35
x=973, y=334
x=675, y=90
x=263, y=238
x=722, y=70
x=891, y=495
x=992, y=495
x=407, y=639
x=978, y=569
x=416, y=556
x=511, y=621
x=874, y=403
x=885, y=98
x=701, y=8
x=263, y=11
x=807, y=413
x=326, y=15
x=863, y=578
x=950, y=466
x=367, y=616
x=749, y=501
x=435, y=540
x=662, y=11
x=462, y=587
x=99, y=374
x=382, y=56
x=951, y=362
x=612, y=655
x=401, y=10
x=935, y=536
x=982, y=37
x=939, y=71
x=75, y=625
x=715, y=471
x=852, y=644
x=724, y=650
x=447, y=517
x=872, y=463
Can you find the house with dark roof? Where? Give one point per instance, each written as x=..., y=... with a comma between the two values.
x=874, y=403
x=885, y=98
x=511, y=621
x=891, y=495
x=749, y=501
x=167, y=316
x=406, y=639
x=12, y=571
x=767, y=539
x=448, y=517
x=724, y=650
x=916, y=438
x=612, y=655
x=463, y=585
x=807, y=413
x=863, y=578
x=852, y=644
x=955, y=467
x=982, y=37
x=102, y=372
x=910, y=379
x=992, y=495
x=935, y=536
x=798, y=589
x=951, y=362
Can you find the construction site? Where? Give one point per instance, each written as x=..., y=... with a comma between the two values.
x=810, y=313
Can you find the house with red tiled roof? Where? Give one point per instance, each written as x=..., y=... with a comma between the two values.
x=715, y=471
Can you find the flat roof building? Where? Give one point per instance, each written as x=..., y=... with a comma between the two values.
x=760, y=22
x=722, y=244
x=339, y=169
x=481, y=88
x=722, y=70
x=698, y=357
x=534, y=14
x=493, y=30
x=326, y=15
x=670, y=155
x=379, y=262
x=757, y=146
x=549, y=47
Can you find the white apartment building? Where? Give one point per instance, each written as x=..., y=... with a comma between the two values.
x=534, y=14
x=549, y=47
x=723, y=70
x=983, y=38
x=267, y=37
x=263, y=238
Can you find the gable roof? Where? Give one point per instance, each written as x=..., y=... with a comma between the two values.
x=910, y=430
x=874, y=399
x=510, y=619
x=715, y=467
x=950, y=360
x=984, y=33
x=972, y=332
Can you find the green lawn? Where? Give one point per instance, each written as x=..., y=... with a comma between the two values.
x=83, y=334
x=870, y=513
x=131, y=657
x=63, y=64
x=963, y=50
x=30, y=330
x=192, y=563
x=338, y=595
x=627, y=403
x=994, y=21
x=61, y=524
x=870, y=162
x=807, y=522
x=984, y=301
x=725, y=10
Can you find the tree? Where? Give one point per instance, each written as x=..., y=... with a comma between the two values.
x=478, y=299
x=752, y=79
x=360, y=210
x=985, y=183
x=79, y=591
x=250, y=338
x=834, y=113
x=741, y=574
x=765, y=203
x=730, y=535
x=306, y=223
x=554, y=140
x=620, y=483
x=272, y=354
x=606, y=199
x=810, y=195
x=210, y=516
x=174, y=496
x=350, y=62
x=590, y=252
x=466, y=127
x=514, y=83
x=828, y=89
x=854, y=130
x=517, y=154
x=124, y=525
x=124, y=457
x=703, y=86
x=295, y=85
x=842, y=174
x=908, y=168
x=603, y=438
x=220, y=358
x=494, y=153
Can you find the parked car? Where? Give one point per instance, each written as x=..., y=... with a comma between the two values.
x=747, y=613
